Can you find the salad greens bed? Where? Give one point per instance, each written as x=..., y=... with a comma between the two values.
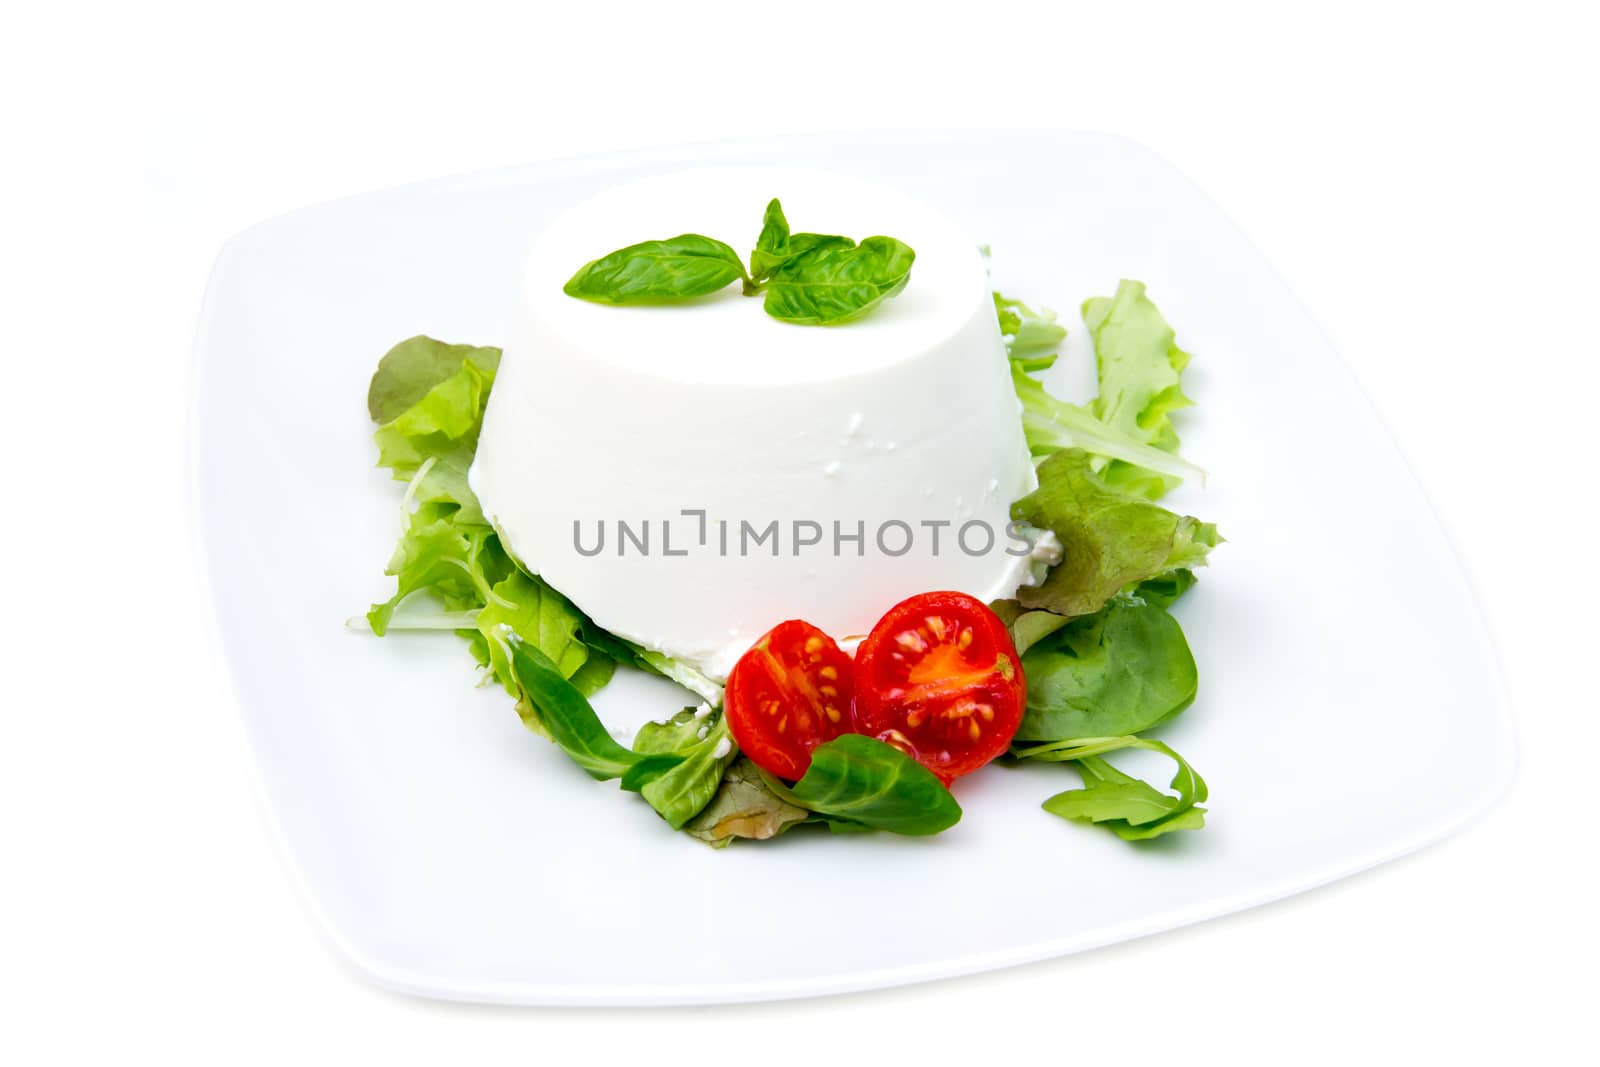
x=1104, y=660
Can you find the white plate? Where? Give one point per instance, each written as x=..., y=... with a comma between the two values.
x=1350, y=708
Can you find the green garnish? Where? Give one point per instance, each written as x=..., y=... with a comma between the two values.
x=810, y=279
x=862, y=780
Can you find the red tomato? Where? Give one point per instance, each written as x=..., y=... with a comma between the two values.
x=939, y=678
x=789, y=694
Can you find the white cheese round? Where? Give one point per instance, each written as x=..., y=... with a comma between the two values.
x=699, y=425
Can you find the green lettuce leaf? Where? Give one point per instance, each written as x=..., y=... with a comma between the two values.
x=430, y=443
x=1033, y=338
x=411, y=368
x=458, y=563
x=1110, y=540
x=536, y=614
x=1139, y=365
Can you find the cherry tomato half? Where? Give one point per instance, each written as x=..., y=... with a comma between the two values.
x=939, y=678
x=789, y=694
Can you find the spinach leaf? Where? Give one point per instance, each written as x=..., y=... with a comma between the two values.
x=776, y=246
x=866, y=781
x=569, y=721
x=681, y=793
x=1122, y=670
x=657, y=271
x=744, y=807
x=834, y=283
x=1127, y=806
x=1109, y=539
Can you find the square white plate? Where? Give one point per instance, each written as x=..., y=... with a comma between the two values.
x=1350, y=708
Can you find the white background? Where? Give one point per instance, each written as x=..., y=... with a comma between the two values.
x=1424, y=175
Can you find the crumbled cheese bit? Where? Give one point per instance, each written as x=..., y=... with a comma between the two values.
x=703, y=710
x=724, y=746
x=702, y=732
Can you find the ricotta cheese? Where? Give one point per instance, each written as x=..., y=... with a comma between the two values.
x=691, y=475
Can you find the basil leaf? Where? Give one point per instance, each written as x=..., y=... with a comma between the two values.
x=1120, y=671
x=681, y=793
x=1109, y=539
x=835, y=283
x=571, y=723
x=744, y=807
x=658, y=272
x=866, y=781
x=776, y=246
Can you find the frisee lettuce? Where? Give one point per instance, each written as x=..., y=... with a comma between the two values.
x=1139, y=364
x=1103, y=658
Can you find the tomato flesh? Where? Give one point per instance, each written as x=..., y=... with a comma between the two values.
x=939, y=678
x=787, y=695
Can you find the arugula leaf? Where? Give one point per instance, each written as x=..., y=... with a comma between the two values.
x=776, y=246
x=411, y=368
x=681, y=793
x=1121, y=671
x=677, y=268
x=1051, y=425
x=567, y=719
x=1109, y=539
x=837, y=283
x=1032, y=338
x=866, y=781
x=1127, y=806
x=744, y=807
x=1139, y=365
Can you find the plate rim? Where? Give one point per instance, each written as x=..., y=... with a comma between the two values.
x=1491, y=789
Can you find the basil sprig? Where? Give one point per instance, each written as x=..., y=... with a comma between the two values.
x=810, y=279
